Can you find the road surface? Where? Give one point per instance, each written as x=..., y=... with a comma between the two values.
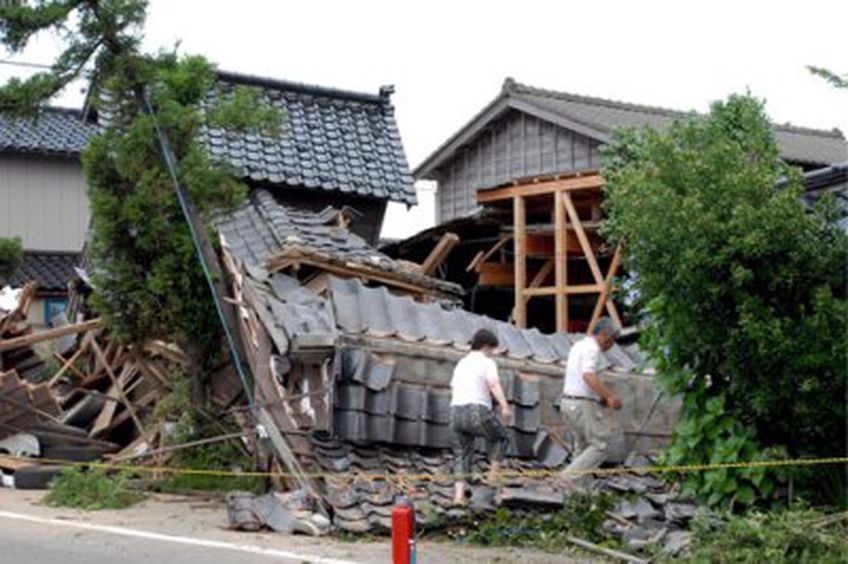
x=177, y=530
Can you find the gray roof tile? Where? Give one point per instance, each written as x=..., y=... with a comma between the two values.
x=53, y=131
x=799, y=144
x=263, y=228
x=51, y=270
x=331, y=139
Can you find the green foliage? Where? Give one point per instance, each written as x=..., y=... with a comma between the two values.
x=11, y=254
x=831, y=77
x=244, y=109
x=582, y=517
x=146, y=269
x=92, y=489
x=216, y=456
x=176, y=403
x=151, y=283
x=794, y=536
x=707, y=433
x=743, y=291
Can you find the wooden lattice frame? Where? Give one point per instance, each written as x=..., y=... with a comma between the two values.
x=560, y=190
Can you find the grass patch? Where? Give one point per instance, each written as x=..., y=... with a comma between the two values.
x=778, y=536
x=93, y=489
x=216, y=456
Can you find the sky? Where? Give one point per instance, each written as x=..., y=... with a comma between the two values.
x=448, y=59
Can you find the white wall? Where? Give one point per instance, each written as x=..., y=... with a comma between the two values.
x=43, y=201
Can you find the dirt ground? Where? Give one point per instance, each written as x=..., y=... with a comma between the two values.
x=205, y=519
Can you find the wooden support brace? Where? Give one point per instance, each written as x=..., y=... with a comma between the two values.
x=439, y=253
x=590, y=254
x=606, y=290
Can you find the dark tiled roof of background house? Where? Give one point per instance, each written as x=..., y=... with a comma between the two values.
x=331, y=140
x=798, y=144
x=53, y=131
x=598, y=117
x=51, y=270
x=263, y=229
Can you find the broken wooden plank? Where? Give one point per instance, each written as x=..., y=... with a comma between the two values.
x=440, y=252
x=169, y=351
x=99, y=352
x=49, y=335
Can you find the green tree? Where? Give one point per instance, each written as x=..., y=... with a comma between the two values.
x=146, y=270
x=10, y=255
x=831, y=77
x=744, y=292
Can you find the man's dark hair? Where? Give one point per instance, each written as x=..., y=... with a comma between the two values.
x=483, y=338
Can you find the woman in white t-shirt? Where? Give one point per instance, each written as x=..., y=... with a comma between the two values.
x=475, y=380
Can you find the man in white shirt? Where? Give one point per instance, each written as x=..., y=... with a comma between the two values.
x=475, y=380
x=586, y=402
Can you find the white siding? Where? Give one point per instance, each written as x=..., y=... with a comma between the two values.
x=43, y=201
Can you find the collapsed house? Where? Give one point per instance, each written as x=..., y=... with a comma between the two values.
x=350, y=350
x=351, y=370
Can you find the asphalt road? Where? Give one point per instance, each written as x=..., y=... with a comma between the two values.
x=50, y=542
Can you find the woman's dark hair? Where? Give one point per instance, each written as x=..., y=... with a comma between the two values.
x=483, y=338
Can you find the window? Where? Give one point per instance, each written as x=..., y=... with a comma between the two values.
x=52, y=308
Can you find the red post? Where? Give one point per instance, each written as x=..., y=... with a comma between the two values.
x=403, y=529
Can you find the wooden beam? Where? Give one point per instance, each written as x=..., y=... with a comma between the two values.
x=543, y=273
x=606, y=290
x=568, y=290
x=439, y=253
x=519, y=313
x=561, y=263
x=592, y=182
x=49, y=335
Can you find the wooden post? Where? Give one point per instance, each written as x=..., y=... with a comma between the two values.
x=561, y=262
x=519, y=223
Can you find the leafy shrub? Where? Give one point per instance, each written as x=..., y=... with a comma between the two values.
x=92, y=489
x=10, y=255
x=795, y=537
x=742, y=289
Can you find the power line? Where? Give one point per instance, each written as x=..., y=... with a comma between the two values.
x=24, y=64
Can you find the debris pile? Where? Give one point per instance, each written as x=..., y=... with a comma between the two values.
x=93, y=405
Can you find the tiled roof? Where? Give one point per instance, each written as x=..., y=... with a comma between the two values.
x=53, y=131
x=798, y=144
x=598, y=117
x=331, y=140
x=403, y=399
x=263, y=228
x=375, y=311
x=51, y=270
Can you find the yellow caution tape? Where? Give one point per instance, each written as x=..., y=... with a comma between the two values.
x=370, y=476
